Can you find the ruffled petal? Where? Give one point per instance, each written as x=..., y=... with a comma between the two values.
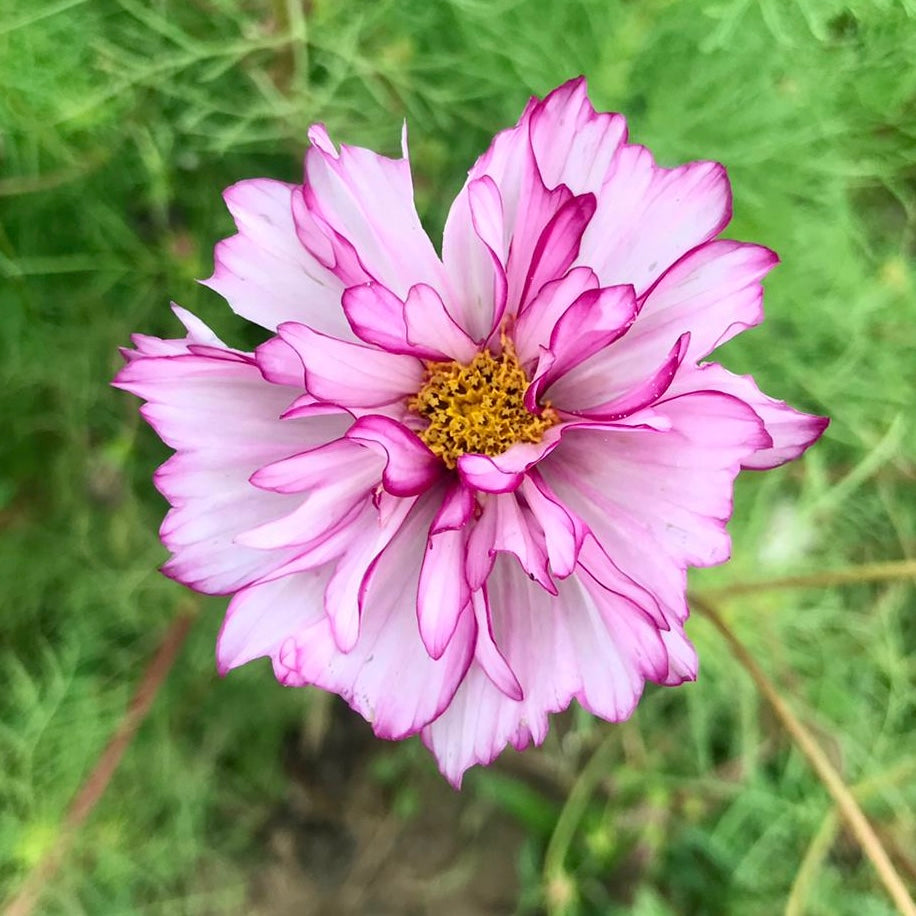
x=791, y=431
x=587, y=643
x=265, y=273
x=504, y=473
x=535, y=323
x=594, y=321
x=573, y=144
x=444, y=593
x=223, y=419
x=262, y=617
x=648, y=217
x=410, y=467
x=388, y=676
x=714, y=292
x=350, y=374
x=674, y=485
x=366, y=201
x=474, y=252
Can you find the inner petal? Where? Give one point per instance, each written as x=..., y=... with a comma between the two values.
x=478, y=408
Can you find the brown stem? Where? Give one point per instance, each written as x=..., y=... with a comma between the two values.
x=846, y=803
x=97, y=781
x=870, y=572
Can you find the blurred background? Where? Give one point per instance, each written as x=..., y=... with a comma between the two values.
x=120, y=123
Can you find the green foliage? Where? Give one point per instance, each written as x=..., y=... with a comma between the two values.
x=120, y=122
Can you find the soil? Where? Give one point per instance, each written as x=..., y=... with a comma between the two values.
x=347, y=843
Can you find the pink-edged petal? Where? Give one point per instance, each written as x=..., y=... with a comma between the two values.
x=674, y=485
x=487, y=654
x=504, y=473
x=564, y=533
x=376, y=316
x=594, y=321
x=338, y=480
x=572, y=143
x=474, y=252
x=431, y=329
x=369, y=536
x=443, y=593
x=558, y=245
x=648, y=217
x=529, y=627
x=388, y=676
x=261, y=617
x=279, y=363
x=587, y=643
x=791, y=431
x=316, y=467
x=350, y=374
x=222, y=417
x=536, y=322
x=713, y=292
x=505, y=526
x=366, y=201
x=574, y=400
x=264, y=272
x=410, y=467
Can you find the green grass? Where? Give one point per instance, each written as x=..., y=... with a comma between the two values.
x=120, y=123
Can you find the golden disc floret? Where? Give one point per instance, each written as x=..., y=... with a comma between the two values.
x=479, y=407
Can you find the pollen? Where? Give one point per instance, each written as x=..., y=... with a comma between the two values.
x=479, y=407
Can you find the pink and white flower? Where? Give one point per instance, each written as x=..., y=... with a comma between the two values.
x=462, y=491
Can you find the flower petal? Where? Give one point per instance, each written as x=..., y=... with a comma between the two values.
x=558, y=245
x=587, y=643
x=264, y=272
x=648, y=217
x=535, y=323
x=367, y=200
x=573, y=144
x=410, y=467
x=594, y=321
x=388, y=676
x=350, y=374
x=222, y=417
x=474, y=252
x=443, y=593
x=574, y=391
x=262, y=617
x=675, y=485
x=791, y=431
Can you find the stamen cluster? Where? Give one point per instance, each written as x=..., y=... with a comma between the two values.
x=479, y=407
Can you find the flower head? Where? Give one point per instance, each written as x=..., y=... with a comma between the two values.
x=462, y=491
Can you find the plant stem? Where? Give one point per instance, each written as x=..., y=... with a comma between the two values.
x=846, y=803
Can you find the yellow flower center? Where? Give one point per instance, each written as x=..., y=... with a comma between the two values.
x=479, y=407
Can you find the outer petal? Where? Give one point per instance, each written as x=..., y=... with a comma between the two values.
x=572, y=143
x=222, y=417
x=367, y=201
x=388, y=677
x=262, y=617
x=675, y=485
x=713, y=292
x=586, y=643
x=791, y=431
x=648, y=217
x=265, y=273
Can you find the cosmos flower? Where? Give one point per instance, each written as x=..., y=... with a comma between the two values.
x=462, y=491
